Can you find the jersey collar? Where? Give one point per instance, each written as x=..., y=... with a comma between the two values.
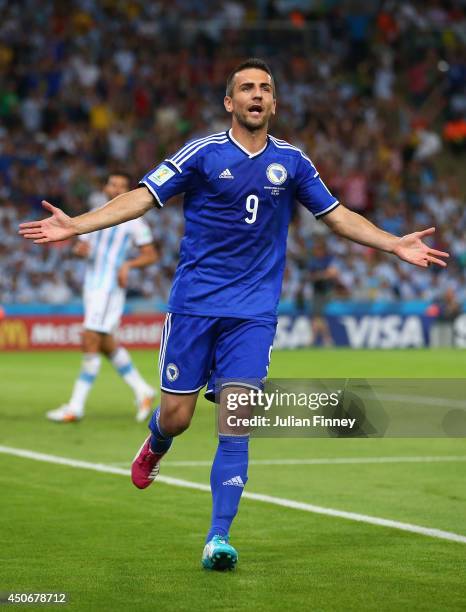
x=240, y=146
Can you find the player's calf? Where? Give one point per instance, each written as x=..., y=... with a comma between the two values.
x=228, y=478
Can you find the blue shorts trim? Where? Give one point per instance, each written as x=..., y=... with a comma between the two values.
x=181, y=392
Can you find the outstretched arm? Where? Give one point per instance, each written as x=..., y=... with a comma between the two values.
x=409, y=248
x=61, y=227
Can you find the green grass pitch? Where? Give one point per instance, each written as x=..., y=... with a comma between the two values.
x=114, y=548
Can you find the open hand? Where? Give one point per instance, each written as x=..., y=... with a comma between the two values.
x=410, y=248
x=53, y=229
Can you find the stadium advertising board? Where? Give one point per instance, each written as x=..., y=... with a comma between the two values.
x=144, y=330
x=358, y=331
x=64, y=332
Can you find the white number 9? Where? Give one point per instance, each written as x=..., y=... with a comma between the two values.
x=252, y=204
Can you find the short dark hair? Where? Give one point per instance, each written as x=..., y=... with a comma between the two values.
x=122, y=173
x=252, y=62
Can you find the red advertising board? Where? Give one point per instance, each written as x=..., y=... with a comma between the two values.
x=64, y=332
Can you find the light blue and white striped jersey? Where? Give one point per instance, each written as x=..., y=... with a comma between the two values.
x=109, y=249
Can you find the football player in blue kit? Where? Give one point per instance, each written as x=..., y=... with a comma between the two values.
x=239, y=190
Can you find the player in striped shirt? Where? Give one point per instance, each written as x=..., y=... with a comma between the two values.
x=240, y=188
x=105, y=283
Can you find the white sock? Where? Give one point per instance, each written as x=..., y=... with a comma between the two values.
x=89, y=370
x=121, y=361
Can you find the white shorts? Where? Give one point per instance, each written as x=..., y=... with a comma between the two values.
x=103, y=309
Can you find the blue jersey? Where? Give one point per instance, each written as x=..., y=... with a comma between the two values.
x=237, y=209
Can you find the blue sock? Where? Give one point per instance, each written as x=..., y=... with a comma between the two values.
x=159, y=442
x=227, y=480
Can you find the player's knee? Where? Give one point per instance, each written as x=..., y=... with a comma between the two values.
x=90, y=342
x=108, y=345
x=175, y=416
x=174, y=423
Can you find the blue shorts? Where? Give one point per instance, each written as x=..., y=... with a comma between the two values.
x=196, y=351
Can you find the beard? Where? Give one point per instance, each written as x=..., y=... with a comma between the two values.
x=252, y=126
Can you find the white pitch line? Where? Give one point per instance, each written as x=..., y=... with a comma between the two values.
x=322, y=461
x=277, y=501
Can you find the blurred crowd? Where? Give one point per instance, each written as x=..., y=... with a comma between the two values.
x=374, y=92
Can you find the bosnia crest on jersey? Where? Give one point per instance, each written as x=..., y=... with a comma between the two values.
x=276, y=173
